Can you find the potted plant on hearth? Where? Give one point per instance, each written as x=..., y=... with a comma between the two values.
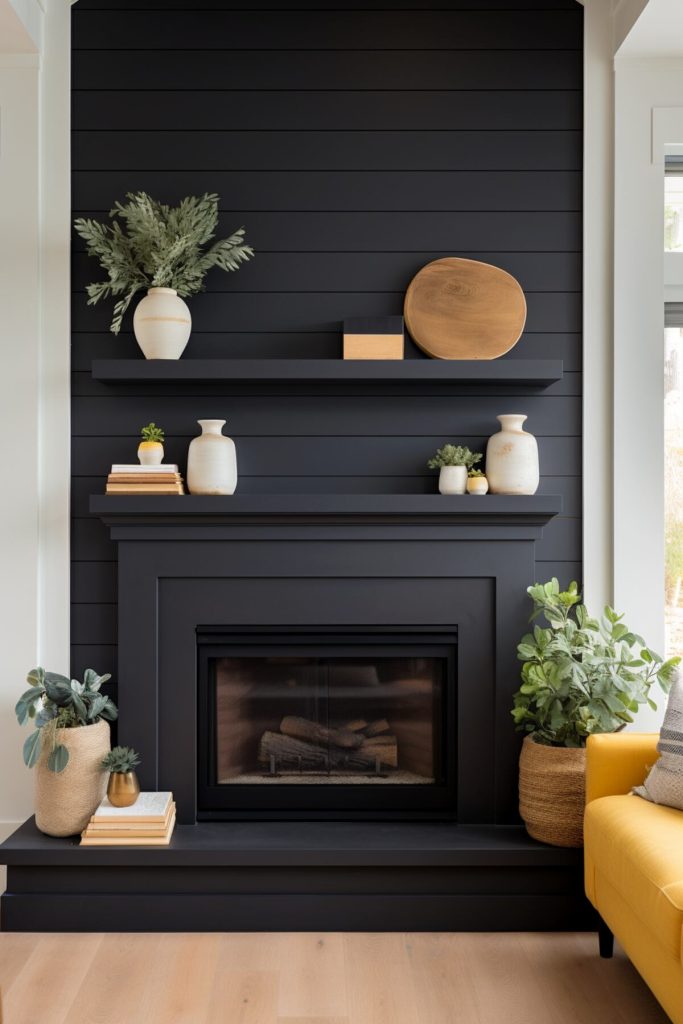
x=580, y=676
x=66, y=747
x=453, y=461
x=151, y=447
x=161, y=250
x=123, y=787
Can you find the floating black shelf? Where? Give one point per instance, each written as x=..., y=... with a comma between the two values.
x=527, y=372
x=496, y=509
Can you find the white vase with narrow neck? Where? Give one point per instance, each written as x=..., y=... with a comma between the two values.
x=512, y=458
x=212, y=461
x=162, y=324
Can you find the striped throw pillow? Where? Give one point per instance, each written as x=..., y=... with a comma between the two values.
x=664, y=783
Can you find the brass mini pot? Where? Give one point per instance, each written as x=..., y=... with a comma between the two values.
x=123, y=789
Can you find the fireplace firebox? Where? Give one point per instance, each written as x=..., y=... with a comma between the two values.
x=335, y=725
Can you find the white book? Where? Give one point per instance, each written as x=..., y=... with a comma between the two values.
x=164, y=467
x=147, y=807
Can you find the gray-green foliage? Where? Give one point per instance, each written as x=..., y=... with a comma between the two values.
x=150, y=245
x=121, y=760
x=582, y=675
x=454, y=455
x=55, y=702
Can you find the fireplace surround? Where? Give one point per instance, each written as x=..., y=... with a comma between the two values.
x=359, y=592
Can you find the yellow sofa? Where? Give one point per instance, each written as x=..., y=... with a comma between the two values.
x=634, y=864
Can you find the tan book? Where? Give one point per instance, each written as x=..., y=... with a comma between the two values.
x=148, y=807
x=145, y=489
x=162, y=840
x=128, y=478
x=125, y=828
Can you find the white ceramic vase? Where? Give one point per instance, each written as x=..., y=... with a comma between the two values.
x=453, y=479
x=512, y=458
x=212, y=461
x=162, y=324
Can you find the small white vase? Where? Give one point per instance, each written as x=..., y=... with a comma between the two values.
x=150, y=453
x=212, y=461
x=477, y=485
x=162, y=324
x=453, y=479
x=512, y=458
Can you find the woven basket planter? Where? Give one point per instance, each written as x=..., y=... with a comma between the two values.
x=66, y=800
x=552, y=792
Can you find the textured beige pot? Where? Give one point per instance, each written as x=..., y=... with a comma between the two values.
x=162, y=324
x=66, y=800
x=552, y=792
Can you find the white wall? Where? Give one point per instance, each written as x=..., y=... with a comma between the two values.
x=34, y=368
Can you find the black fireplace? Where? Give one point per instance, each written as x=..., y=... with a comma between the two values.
x=327, y=724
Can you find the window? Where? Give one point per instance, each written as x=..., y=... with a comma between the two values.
x=673, y=477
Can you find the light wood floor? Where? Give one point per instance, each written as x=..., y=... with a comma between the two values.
x=318, y=979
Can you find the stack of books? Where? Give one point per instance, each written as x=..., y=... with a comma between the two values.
x=135, y=479
x=149, y=822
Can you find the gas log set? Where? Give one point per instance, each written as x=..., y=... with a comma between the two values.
x=304, y=746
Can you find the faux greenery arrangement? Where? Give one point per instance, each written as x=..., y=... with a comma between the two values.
x=121, y=760
x=474, y=473
x=158, y=246
x=55, y=702
x=152, y=433
x=582, y=675
x=454, y=455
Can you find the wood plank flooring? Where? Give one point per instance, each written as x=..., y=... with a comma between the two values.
x=474, y=978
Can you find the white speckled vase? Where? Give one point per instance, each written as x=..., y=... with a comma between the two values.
x=212, y=461
x=162, y=324
x=512, y=458
x=453, y=479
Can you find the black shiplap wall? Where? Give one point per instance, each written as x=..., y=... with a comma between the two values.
x=355, y=145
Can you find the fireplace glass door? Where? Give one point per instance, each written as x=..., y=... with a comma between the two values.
x=348, y=724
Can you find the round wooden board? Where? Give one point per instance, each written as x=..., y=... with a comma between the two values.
x=462, y=309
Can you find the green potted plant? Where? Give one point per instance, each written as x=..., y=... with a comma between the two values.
x=151, y=447
x=477, y=482
x=580, y=675
x=123, y=787
x=66, y=747
x=161, y=250
x=453, y=462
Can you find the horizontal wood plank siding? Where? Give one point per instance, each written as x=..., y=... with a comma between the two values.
x=356, y=143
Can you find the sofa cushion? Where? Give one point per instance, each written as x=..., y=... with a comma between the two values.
x=638, y=847
x=664, y=783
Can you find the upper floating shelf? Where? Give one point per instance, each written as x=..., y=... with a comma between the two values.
x=527, y=372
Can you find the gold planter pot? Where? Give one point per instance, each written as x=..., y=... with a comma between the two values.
x=123, y=789
x=552, y=792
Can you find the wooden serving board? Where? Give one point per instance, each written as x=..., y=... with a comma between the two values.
x=463, y=309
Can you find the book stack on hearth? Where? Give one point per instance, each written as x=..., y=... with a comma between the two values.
x=148, y=822
x=135, y=479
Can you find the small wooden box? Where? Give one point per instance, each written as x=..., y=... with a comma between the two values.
x=378, y=337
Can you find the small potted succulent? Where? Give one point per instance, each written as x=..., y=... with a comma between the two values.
x=165, y=251
x=580, y=676
x=151, y=448
x=453, y=461
x=123, y=788
x=66, y=747
x=477, y=482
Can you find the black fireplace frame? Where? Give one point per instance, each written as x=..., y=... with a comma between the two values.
x=332, y=802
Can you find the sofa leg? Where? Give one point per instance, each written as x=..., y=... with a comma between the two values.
x=605, y=940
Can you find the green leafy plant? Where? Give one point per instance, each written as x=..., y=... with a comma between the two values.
x=150, y=245
x=152, y=433
x=121, y=760
x=55, y=702
x=454, y=455
x=473, y=473
x=582, y=675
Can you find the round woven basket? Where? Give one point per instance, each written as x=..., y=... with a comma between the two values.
x=66, y=800
x=552, y=791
